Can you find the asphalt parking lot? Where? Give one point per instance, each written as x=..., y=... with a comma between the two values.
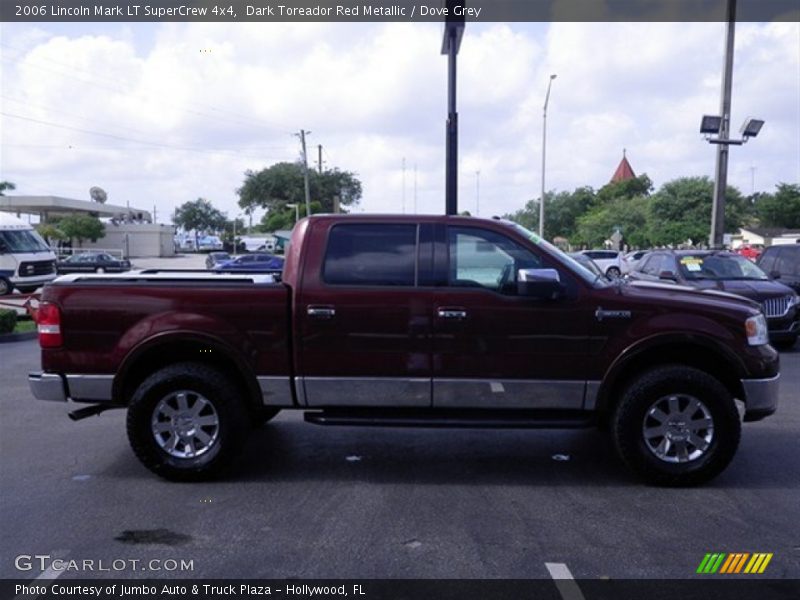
x=314, y=502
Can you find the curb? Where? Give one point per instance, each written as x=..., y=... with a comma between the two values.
x=18, y=337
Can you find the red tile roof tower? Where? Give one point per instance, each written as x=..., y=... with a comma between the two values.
x=624, y=170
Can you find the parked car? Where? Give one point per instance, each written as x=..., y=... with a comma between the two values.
x=209, y=243
x=259, y=261
x=728, y=272
x=587, y=262
x=782, y=262
x=408, y=320
x=609, y=261
x=215, y=258
x=92, y=262
x=631, y=259
x=749, y=251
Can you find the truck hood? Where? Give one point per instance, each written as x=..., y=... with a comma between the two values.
x=681, y=293
x=755, y=289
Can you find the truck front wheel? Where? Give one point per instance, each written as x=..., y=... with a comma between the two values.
x=676, y=426
x=6, y=286
x=186, y=422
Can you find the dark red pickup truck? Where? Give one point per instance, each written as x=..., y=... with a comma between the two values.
x=414, y=321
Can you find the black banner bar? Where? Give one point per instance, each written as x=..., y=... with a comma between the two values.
x=716, y=588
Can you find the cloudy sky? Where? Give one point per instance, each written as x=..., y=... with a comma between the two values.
x=159, y=114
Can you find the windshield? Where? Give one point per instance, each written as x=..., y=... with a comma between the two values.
x=20, y=241
x=583, y=272
x=718, y=267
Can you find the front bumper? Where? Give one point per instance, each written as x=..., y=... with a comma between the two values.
x=761, y=397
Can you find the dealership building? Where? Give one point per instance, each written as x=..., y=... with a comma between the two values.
x=129, y=231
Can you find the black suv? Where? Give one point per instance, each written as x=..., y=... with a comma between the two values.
x=727, y=272
x=782, y=262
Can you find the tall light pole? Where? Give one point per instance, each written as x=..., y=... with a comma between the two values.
x=451, y=42
x=721, y=170
x=234, y=231
x=544, y=150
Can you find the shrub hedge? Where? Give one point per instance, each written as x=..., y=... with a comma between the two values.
x=8, y=320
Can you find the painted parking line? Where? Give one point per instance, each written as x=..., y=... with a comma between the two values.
x=48, y=573
x=565, y=582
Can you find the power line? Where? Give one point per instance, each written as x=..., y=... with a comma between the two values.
x=237, y=118
x=127, y=139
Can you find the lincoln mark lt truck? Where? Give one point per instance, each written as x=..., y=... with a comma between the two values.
x=410, y=321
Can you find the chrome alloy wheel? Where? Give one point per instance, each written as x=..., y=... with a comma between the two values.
x=185, y=424
x=678, y=428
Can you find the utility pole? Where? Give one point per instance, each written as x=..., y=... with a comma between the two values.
x=415, y=189
x=319, y=158
x=404, y=185
x=305, y=171
x=721, y=171
x=477, y=193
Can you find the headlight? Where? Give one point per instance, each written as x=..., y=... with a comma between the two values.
x=756, y=328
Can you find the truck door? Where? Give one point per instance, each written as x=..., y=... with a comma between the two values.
x=364, y=315
x=495, y=349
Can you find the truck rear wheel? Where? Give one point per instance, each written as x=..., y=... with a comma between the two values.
x=186, y=422
x=676, y=426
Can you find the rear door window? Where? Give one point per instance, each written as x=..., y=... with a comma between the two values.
x=371, y=254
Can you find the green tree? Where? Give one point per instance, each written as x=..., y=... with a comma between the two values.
x=199, y=215
x=629, y=215
x=781, y=209
x=6, y=185
x=561, y=212
x=630, y=188
x=282, y=183
x=81, y=227
x=681, y=210
x=51, y=233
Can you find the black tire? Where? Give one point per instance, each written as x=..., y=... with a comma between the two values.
x=202, y=387
x=28, y=290
x=613, y=273
x=6, y=287
x=636, y=426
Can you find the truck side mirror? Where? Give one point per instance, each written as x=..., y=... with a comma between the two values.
x=668, y=275
x=542, y=284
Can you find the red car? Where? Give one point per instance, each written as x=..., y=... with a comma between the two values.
x=749, y=252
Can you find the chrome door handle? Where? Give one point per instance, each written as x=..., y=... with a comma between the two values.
x=452, y=313
x=321, y=312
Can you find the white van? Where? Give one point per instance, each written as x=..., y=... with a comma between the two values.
x=26, y=261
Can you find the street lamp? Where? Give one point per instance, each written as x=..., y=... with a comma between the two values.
x=544, y=150
x=296, y=208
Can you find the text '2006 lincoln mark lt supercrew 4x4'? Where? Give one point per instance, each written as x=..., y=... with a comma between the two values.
x=415, y=321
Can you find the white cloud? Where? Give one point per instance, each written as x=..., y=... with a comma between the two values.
x=213, y=100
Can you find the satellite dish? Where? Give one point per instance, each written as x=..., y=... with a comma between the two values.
x=98, y=194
